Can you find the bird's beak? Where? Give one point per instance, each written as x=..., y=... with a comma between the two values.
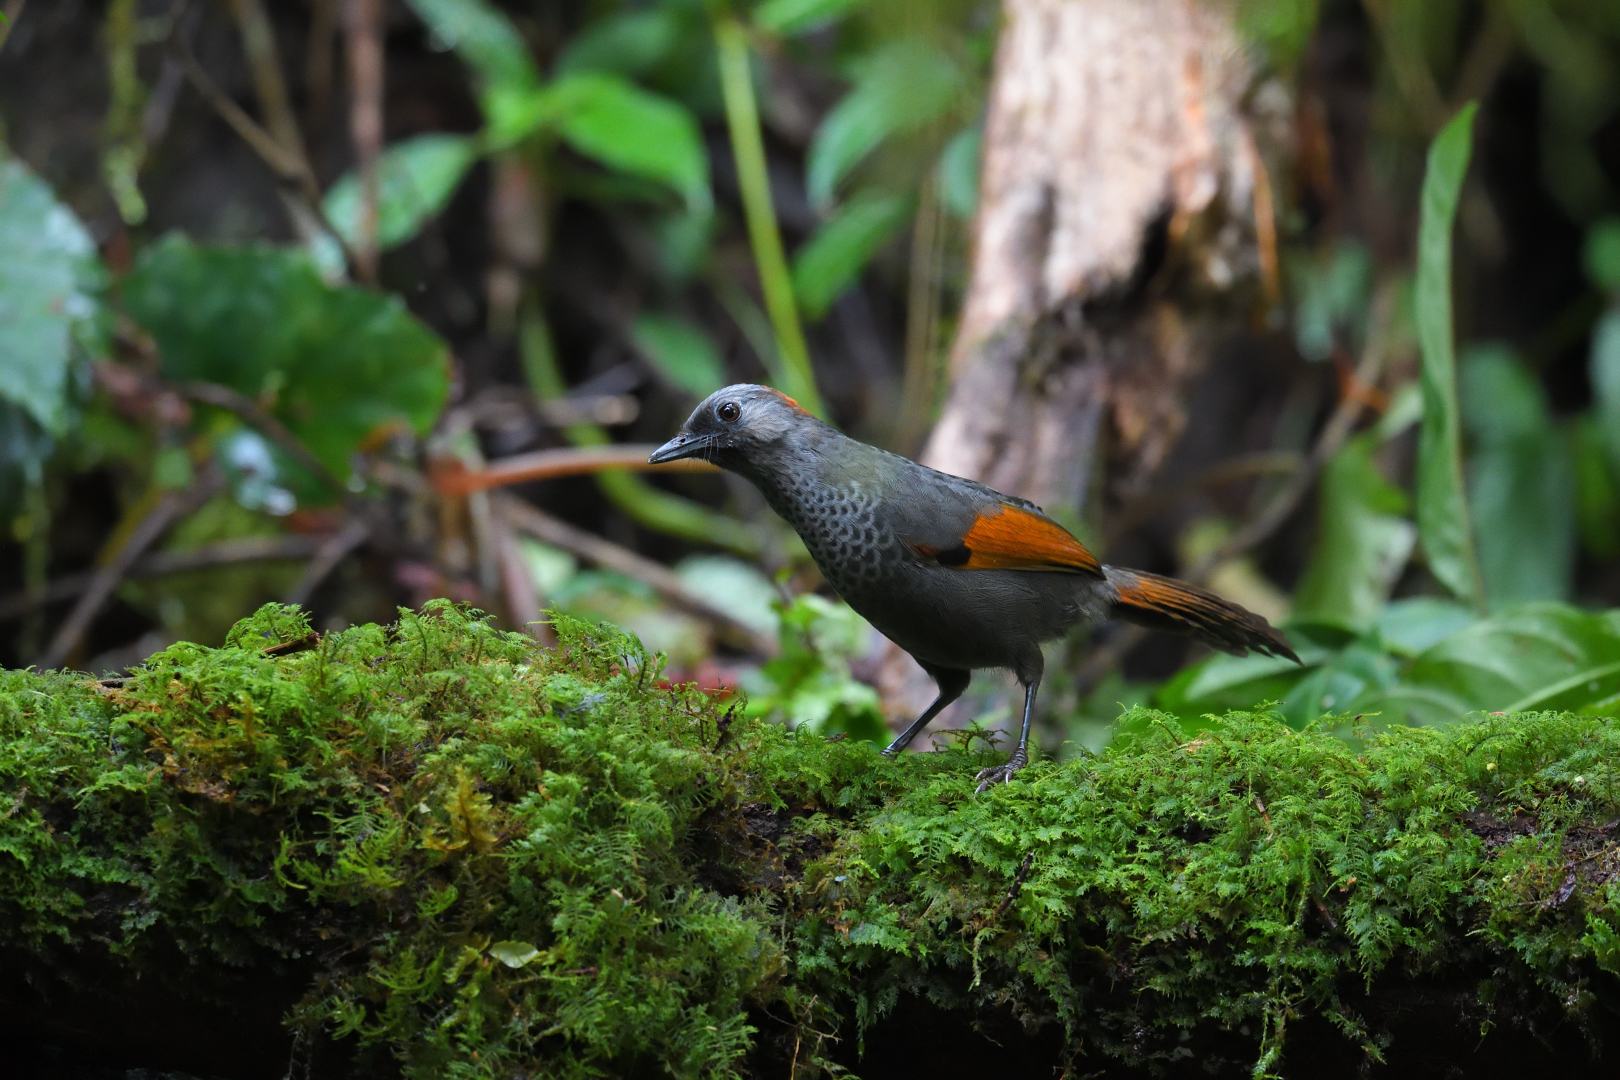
x=681, y=446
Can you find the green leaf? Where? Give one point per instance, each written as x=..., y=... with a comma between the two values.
x=628, y=43
x=415, y=179
x=1606, y=381
x=788, y=17
x=900, y=88
x=1597, y=489
x=631, y=130
x=488, y=42
x=749, y=595
x=1603, y=253
x=1363, y=541
x=1223, y=681
x=833, y=258
x=1521, y=487
x=336, y=365
x=1442, y=505
x=48, y=276
x=514, y=954
x=1338, y=682
x=1409, y=626
x=1333, y=290
x=681, y=351
x=1536, y=656
x=1281, y=27
x=959, y=171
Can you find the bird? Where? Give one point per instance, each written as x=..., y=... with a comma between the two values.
x=958, y=575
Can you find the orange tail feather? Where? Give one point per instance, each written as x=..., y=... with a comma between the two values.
x=1162, y=603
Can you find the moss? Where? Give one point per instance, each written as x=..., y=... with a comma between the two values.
x=445, y=851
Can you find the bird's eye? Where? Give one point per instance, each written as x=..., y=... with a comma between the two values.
x=728, y=411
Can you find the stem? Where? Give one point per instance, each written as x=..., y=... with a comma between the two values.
x=748, y=150
x=920, y=386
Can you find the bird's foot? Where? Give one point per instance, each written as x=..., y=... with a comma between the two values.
x=1000, y=774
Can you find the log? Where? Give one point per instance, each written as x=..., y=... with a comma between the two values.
x=438, y=849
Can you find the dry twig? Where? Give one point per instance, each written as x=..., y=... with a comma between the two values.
x=662, y=580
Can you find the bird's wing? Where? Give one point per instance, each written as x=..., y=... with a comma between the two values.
x=1006, y=535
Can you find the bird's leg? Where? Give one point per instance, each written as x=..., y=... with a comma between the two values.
x=951, y=684
x=1000, y=774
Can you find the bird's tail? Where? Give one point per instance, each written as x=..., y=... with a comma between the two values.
x=1162, y=603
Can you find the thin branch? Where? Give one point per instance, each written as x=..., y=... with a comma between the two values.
x=363, y=26
x=517, y=585
x=604, y=553
x=290, y=167
x=245, y=549
x=170, y=507
x=1288, y=496
x=269, y=86
x=333, y=550
x=450, y=477
x=256, y=416
x=1227, y=471
x=9, y=17
x=1332, y=437
x=372, y=515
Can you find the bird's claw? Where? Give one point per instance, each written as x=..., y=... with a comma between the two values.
x=996, y=774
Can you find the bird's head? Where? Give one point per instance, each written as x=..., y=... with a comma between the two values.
x=737, y=423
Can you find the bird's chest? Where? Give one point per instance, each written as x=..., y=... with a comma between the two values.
x=840, y=525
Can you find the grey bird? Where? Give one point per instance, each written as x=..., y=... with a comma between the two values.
x=958, y=575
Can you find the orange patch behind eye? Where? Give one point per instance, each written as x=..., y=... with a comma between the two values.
x=1014, y=539
x=789, y=402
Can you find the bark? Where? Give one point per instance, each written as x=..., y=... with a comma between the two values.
x=1119, y=184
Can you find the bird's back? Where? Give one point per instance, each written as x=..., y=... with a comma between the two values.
x=882, y=529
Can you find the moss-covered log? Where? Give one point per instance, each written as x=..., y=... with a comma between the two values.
x=433, y=849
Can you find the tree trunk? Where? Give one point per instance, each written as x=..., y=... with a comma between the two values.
x=1121, y=199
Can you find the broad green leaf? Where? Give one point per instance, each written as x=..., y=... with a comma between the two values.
x=1606, y=381
x=682, y=352
x=1597, y=488
x=1442, y=505
x=1521, y=490
x=488, y=42
x=749, y=595
x=1536, y=656
x=1363, y=541
x=1338, y=682
x=336, y=365
x=415, y=179
x=833, y=258
x=1603, y=253
x=1407, y=627
x=800, y=16
x=959, y=171
x=900, y=88
x=631, y=130
x=1239, y=682
x=628, y=43
x=48, y=276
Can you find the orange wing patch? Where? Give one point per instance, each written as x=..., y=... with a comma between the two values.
x=1011, y=538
